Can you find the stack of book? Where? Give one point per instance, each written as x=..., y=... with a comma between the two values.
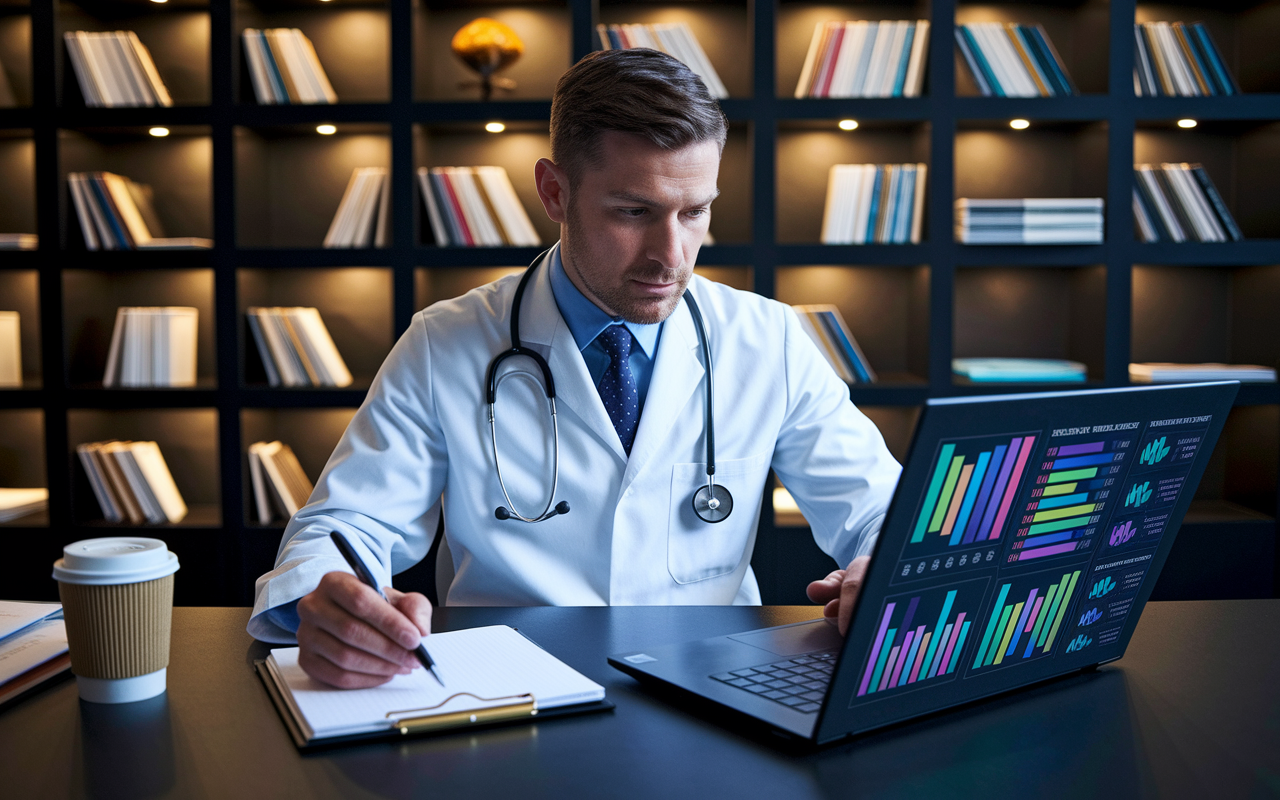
x=296, y=348
x=1178, y=60
x=115, y=69
x=865, y=59
x=827, y=328
x=19, y=241
x=365, y=210
x=131, y=482
x=474, y=207
x=1018, y=370
x=284, y=68
x=1030, y=220
x=280, y=487
x=1179, y=203
x=117, y=214
x=152, y=346
x=675, y=39
x=1159, y=372
x=33, y=648
x=874, y=203
x=17, y=503
x=1011, y=60
x=10, y=350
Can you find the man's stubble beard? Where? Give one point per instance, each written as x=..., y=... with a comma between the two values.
x=616, y=297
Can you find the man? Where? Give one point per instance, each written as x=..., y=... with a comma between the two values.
x=635, y=144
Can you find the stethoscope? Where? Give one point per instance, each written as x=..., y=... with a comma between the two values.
x=710, y=503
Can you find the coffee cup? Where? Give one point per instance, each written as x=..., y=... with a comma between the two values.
x=117, y=600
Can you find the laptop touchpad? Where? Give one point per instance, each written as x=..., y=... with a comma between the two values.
x=792, y=640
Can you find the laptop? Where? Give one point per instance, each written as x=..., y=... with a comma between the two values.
x=1023, y=540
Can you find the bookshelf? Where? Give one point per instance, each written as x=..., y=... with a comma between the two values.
x=263, y=184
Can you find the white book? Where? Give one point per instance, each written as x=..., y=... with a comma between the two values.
x=180, y=326
x=18, y=503
x=308, y=323
x=1205, y=212
x=109, y=466
x=137, y=76
x=879, y=59
x=863, y=225
x=999, y=45
x=80, y=65
x=914, y=81
x=262, y=505
x=75, y=184
x=1179, y=69
x=280, y=481
x=159, y=481
x=98, y=481
x=482, y=224
x=893, y=58
x=831, y=208
x=810, y=58
x=111, y=375
x=857, y=87
x=97, y=71
x=1145, y=173
x=917, y=213
x=130, y=217
x=851, y=44
x=1157, y=372
x=334, y=237
x=515, y=220
x=315, y=70
x=253, y=56
x=1185, y=197
x=365, y=220
x=122, y=453
x=148, y=65
x=705, y=69
x=496, y=663
x=439, y=232
x=115, y=71
x=10, y=350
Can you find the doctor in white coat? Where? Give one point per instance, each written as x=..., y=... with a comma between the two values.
x=636, y=143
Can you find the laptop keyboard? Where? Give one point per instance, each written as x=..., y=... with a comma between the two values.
x=798, y=683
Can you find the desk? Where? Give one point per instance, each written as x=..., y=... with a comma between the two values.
x=1192, y=711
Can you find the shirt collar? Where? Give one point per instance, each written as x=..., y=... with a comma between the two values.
x=585, y=319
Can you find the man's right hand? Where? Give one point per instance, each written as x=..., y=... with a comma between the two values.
x=351, y=638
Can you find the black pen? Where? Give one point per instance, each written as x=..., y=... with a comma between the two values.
x=366, y=577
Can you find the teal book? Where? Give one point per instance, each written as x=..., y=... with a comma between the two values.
x=1018, y=370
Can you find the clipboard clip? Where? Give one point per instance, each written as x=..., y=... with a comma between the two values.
x=521, y=706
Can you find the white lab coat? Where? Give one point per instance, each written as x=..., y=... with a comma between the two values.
x=421, y=440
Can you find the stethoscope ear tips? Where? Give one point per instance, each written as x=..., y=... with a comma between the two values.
x=501, y=513
x=562, y=507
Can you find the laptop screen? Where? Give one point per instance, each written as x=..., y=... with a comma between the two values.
x=1025, y=536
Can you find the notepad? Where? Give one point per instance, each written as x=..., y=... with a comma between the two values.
x=489, y=673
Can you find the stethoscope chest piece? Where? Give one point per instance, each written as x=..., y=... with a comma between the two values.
x=712, y=504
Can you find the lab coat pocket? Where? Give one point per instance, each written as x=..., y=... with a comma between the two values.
x=698, y=550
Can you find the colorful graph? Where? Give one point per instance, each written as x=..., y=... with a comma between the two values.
x=1067, y=499
x=972, y=489
x=1102, y=588
x=1139, y=493
x=1089, y=617
x=1027, y=628
x=1122, y=533
x=1154, y=452
x=902, y=655
x=1079, y=643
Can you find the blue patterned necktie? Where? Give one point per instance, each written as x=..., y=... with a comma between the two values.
x=618, y=387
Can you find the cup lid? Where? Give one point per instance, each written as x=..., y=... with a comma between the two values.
x=117, y=559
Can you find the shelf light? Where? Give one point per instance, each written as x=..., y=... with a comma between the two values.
x=494, y=127
x=326, y=130
x=159, y=1
x=159, y=131
x=1019, y=124
x=1186, y=123
x=848, y=124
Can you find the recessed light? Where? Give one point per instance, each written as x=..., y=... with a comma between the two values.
x=1019, y=124
x=495, y=127
x=158, y=131
x=326, y=130
x=1186, y=123
x=159, y=1
x=848, y=124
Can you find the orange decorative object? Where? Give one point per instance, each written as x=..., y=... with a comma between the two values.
x=487, y=46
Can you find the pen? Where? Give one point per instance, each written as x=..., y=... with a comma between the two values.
x=366, y=577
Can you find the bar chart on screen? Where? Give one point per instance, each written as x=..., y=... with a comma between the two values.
x=1025, y=617
x=920, y=637
x=970, y=498
x=1071, y=488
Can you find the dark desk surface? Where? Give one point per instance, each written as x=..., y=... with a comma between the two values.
x=1192, y=711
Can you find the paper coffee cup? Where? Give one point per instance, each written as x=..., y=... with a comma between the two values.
x=117, y=599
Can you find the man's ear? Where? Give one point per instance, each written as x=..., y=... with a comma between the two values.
x=553, y=189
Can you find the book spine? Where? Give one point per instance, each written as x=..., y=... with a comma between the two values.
x=904, y=60
x=1215, y=200
x=983, y=73
x=1226, y=80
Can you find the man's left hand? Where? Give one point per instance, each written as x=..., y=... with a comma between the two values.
x=839, y=591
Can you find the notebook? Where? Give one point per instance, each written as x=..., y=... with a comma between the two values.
x=491, y=675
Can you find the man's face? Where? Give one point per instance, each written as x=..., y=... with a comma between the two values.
x=634, y=223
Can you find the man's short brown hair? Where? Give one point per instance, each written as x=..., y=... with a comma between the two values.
x=639, y=91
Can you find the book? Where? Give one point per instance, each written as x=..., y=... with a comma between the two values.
x=116, y=213
x=676, y=39
x=280, y=486
x=362, y=216
x=33, y=648
x=1013, y=60
x=1178, y=202
x=474, y=207
x=1033, y=220
x=1174, y=59
x=115, y=69
x=1161, y=372
x=1018, y=370
x=18, y=503
x=493, y=675
x=296, y=348
x=152, y=346
x=10, y=350
x=874, y=204
x=131, y=482
x=284, y=67
x=19, y=241
x=861, y=58
x=826, y=326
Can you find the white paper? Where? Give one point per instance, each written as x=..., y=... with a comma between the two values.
x=14, y=616
x=32, y=647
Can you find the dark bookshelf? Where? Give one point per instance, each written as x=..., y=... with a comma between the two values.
x=264, y=185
